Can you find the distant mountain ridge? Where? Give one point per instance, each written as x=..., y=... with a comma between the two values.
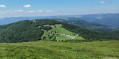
x=87, y=25
x=8, y=20
x=105, y=19
x=101, y=22
x=111, y=19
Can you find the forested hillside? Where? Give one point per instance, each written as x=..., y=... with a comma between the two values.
x=22, y=31
x=33, y=30
x=85, y=24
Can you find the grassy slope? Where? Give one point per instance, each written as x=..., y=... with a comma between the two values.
x=57, y=30
x=62, y=30
x=60, y=50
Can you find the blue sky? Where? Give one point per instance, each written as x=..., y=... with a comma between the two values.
x=18, y=8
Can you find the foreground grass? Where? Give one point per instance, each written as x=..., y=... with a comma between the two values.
x=60, y=50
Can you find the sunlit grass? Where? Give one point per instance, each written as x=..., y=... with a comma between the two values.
x=60, y=50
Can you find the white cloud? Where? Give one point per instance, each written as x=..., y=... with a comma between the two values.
x=20, y=10
x=27, y=6
x=31, y=11
x=40, y=11
x=2, y=6
x=102, y=2
x=49, y=11
x=2, y=12
x=11, y=11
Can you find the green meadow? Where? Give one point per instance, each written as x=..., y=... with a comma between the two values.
x=60, y=50
x=59, y=33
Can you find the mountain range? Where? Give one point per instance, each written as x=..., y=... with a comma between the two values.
x=100, y=22
x=87, y=25
x=104, y=19
x=51, y=30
